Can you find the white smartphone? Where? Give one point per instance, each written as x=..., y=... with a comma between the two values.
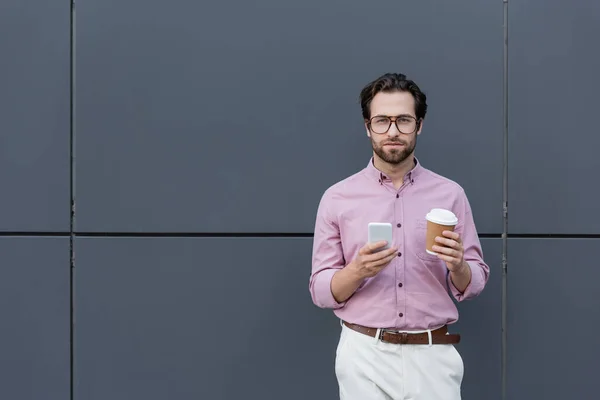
x=380, y=231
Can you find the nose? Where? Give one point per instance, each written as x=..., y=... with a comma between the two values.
x=393, y=131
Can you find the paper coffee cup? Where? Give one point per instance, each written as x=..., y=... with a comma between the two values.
x=438, y=220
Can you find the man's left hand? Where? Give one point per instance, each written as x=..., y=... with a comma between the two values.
x=450, y=249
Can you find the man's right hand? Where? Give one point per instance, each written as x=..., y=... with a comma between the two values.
x=371, y=259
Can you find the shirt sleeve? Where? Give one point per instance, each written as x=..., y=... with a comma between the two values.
x=473, y=255
x=327, y=256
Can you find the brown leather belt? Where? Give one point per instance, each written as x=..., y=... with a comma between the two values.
x=438, y=336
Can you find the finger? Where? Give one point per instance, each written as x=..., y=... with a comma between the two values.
x=375, y=266
x=388, y=258
x=379, y=256
x=447, y=242
x=372, y=247
x=392, y=256
x=366, y=249
x=452, y=235
x=448, y=259
x=447, y=251
x=381, y=263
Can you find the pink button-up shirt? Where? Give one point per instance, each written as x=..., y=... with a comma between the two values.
x=412, y=292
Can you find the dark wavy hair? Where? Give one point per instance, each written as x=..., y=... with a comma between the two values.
x=393, y=82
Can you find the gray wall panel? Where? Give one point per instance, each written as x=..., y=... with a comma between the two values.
x=553, y=116
x=34, y=115
x=553, y=319
x=191, y=117
x=34, y=288
x=480, y=327
x=179, y=318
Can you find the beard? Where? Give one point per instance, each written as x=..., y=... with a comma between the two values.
x=394, y=156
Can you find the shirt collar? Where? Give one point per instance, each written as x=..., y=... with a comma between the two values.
x=380, y=177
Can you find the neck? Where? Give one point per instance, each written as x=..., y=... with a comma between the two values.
x=396, y=172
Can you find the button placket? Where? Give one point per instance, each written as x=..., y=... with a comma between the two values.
x=400, y=264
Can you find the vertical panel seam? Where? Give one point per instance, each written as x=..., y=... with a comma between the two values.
x=71, y=194
x=504, y=204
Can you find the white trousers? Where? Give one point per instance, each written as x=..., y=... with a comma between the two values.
x=368, y=369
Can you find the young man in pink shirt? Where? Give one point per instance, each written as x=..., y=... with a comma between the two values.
x=395, y=304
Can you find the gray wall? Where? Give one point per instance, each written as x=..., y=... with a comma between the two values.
x=183, y=140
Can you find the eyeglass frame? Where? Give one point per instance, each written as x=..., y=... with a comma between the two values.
x=394, y=121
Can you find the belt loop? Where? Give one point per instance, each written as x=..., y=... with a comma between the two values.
x=429, y=336
x=377, y=334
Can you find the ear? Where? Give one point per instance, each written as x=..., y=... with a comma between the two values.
x=420, y=127
x=367, y=128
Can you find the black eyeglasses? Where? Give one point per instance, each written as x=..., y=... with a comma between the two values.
x=406, y=124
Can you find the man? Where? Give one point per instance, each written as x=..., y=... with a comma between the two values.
x=395, y=304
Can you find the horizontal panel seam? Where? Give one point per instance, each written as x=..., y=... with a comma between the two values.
x=268, y=235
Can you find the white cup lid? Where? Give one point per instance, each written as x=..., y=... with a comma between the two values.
x=442, y=217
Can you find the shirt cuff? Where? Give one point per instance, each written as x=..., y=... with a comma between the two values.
x=474, y=287
x=322, y=295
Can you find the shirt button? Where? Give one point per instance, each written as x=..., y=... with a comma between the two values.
x=399, y=225
x=400, y=285
x=401, y=315
x=399, y=254
x=397, y=196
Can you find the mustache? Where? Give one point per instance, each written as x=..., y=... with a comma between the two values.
x=394, y=142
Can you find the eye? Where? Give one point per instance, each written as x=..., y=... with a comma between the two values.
x=380, y=120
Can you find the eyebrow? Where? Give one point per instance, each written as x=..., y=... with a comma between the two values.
x=399, y=115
